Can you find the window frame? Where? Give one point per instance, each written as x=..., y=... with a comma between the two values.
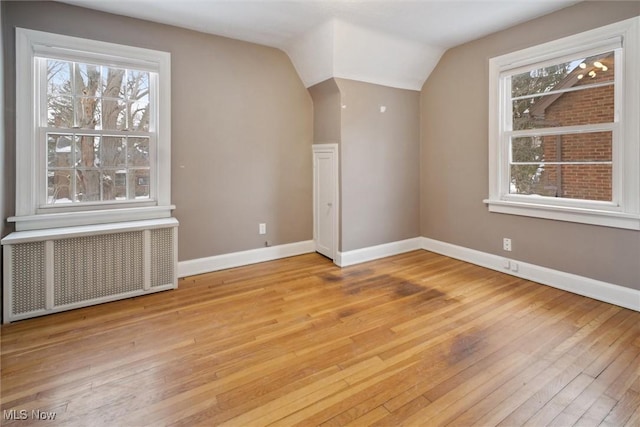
x=624, y=209
x=31, y=161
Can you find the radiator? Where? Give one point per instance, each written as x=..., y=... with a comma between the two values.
x=47, y=271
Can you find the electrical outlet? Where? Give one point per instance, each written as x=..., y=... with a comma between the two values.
x=506, y=244
x=262, y=228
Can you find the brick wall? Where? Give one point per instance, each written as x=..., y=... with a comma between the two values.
x=589, y=106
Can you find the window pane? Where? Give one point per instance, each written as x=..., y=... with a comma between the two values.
x=563, y=75
x=527, y=149
x=88, y=113
x=114, y=115
x=138, y=152
x=59, y=186
x=138, y=113
x=581, y=107
x=88, y=185
x=113, y=151
x=89, y=151
x=60, y=111
x=526, y=179
x=59, y=151
x=59, y=77
x=584, y=147
x=540, y=80
x=87, y=80
x=121, y=184
x=138, y=86
x=114, y=185
x=587, y=182
x=566, y=106
x=59, y=91
x=113, y=82
x=139, y=182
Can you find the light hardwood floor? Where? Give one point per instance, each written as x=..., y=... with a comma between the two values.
x=415, y=339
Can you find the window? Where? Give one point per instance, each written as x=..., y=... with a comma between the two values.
x=97, y=131
x=93, y=132
x=564, y=137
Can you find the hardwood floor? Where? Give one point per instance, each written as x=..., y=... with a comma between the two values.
x=415, y=339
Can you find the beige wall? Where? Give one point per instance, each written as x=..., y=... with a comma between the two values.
x=326, y=112
x=379, y=164
x=241, y=128
x=454, y=168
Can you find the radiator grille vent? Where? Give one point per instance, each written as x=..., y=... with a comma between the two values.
x=162, y=257
x=53, y=270
x=97, y=266
x=28, y=278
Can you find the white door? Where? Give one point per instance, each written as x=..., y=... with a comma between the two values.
x=325, y=198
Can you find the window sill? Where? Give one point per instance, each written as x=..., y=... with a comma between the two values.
x=96, y=217
x=30, y=236
x=558, y=213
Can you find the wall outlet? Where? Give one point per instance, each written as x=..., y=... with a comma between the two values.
x=506, y=244
x=262, y=228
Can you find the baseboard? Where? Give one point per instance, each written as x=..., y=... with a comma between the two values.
x=602, y=291
x=344, y=259
x=237, y=259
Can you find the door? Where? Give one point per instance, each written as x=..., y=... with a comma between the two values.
x=325, y=199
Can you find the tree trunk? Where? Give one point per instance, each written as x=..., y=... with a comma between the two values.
x=88, y=182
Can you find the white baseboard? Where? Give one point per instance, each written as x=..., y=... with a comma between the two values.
x=344, y=259
x=237, y=259
x=602, y=291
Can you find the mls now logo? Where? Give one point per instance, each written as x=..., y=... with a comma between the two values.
x=14, y=414
x=23, y=414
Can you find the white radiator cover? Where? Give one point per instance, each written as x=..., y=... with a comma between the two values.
x=47, y=271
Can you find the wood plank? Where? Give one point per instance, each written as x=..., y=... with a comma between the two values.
x=623, y=410
x=412, y=339
x=617, y=372
x=597, y=412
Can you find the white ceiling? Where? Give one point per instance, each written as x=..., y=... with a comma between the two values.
x=436, y=25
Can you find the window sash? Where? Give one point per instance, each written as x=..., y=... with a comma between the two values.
x=40, y=88
x=522, y=61
x=505, y=180
x=624, y=39
x=506, y=132
x=42, y=172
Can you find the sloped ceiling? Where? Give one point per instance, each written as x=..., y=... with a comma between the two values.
x=391, y=42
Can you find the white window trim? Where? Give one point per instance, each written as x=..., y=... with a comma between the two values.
x=29, y=158
x=624, y=212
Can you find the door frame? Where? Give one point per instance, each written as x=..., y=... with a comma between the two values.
x=333, y=150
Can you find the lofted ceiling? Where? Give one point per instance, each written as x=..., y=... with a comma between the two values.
x=369, y=40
